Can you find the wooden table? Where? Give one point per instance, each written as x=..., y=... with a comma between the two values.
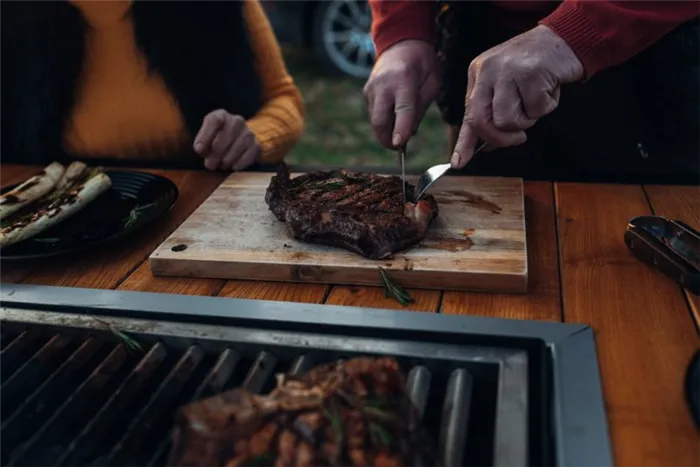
x=580, y=272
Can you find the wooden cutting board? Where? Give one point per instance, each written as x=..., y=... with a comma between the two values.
x=476, y=243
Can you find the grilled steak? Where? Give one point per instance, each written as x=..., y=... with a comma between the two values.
x=353, y=412
x=360, y=212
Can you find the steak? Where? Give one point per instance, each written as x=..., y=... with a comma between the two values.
x=354, y=412
x=360, y=212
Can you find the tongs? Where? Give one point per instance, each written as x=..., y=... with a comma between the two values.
x=672, y=247
x=431, y=176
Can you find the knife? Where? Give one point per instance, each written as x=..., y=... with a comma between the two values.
x=402, y=162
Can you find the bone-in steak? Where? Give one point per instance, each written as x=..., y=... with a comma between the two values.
x=346, y=413
x=360, y=212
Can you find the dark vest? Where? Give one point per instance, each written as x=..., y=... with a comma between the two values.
x=200, y=48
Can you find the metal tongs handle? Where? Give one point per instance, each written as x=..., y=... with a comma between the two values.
x=672, y=247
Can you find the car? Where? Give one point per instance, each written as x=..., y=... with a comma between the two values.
x=337, y=31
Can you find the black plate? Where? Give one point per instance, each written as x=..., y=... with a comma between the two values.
x=134, y=200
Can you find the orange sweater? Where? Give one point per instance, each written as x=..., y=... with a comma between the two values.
x=123, y=111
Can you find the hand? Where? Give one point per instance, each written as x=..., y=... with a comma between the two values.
x=511, y=86
x=225, y=142
x=404, y=82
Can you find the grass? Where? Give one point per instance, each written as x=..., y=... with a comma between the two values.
x=338, y=132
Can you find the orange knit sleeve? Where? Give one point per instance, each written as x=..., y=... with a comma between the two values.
x=279, y=123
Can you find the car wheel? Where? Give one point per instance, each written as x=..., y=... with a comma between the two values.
x=341, y=37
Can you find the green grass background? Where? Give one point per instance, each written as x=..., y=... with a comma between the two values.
x=338, y=132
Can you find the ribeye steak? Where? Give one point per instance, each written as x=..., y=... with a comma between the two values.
x=360, y=212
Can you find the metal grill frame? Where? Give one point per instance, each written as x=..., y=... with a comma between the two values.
x=579, y=420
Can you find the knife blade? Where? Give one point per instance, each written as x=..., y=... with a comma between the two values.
x=402, y=161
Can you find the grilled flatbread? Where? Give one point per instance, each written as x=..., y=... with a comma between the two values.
x=75, y=172
x=31, y=190
x=54, y=212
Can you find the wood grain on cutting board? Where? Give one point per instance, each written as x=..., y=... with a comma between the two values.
x=476, y=243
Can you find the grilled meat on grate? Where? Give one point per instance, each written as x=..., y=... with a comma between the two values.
x=354, y=412
x=360, y=212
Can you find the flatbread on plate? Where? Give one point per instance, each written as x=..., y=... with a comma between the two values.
x=26, y=193
x=54, y=212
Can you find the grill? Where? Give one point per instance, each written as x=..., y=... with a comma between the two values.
x=491, y=392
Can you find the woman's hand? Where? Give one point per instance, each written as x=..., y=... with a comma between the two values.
x=225, y=142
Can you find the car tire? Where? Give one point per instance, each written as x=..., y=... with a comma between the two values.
x=330, y=56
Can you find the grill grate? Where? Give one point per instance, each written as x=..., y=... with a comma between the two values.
x=72, y=394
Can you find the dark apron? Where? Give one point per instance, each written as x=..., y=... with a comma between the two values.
x=637, y=122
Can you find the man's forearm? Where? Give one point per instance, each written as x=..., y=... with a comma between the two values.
x=396, y=21
x=606, y=33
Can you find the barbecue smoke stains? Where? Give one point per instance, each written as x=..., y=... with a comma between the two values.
x=468, y=232
x=453, y=245
x=299, y=255
x=470, y=199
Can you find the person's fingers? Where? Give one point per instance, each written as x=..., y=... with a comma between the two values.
x=223, y=139
x=538, y=102
x=507, y=108
x=465, y=146
x=381, y=117
x=211, y=125
x=405, y=103
x=239, y=146
x=479, y=118
x=427, y=94
x=248, y=158
x=212, y=163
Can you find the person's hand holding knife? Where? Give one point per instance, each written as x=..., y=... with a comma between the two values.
x=404, y=83
x=510, y=87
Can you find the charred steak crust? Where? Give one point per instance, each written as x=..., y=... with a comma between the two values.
x=356, y=211
x=353, y=412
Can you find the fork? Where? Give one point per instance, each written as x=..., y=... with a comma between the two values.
x=431, y=175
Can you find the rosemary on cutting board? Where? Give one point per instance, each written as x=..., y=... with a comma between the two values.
x=395, y=291
x=129, y=342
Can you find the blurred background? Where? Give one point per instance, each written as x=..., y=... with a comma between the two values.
x=329, y=51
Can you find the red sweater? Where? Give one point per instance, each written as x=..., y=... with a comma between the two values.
x=601, y=33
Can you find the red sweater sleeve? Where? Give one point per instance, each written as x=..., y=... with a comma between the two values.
x=397, y=20
x=606, y=33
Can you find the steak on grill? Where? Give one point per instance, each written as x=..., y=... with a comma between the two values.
x=360, y=212
x=355, y=412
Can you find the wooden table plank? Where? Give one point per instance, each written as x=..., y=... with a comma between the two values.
x=644, y=332
x=144, y=281
x=543, y=301
x=279, y=291
x=680, y=203
x=107, y=267
x=424, y=300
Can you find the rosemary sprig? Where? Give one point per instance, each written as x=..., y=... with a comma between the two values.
x=394, y=290
x=131, y=344
x=378, y=434
x=134, y=214
x=330, y=186
x=131, y=218
x=336, y=423
x=262, y=460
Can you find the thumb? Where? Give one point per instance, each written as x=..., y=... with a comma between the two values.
x=464, y=148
